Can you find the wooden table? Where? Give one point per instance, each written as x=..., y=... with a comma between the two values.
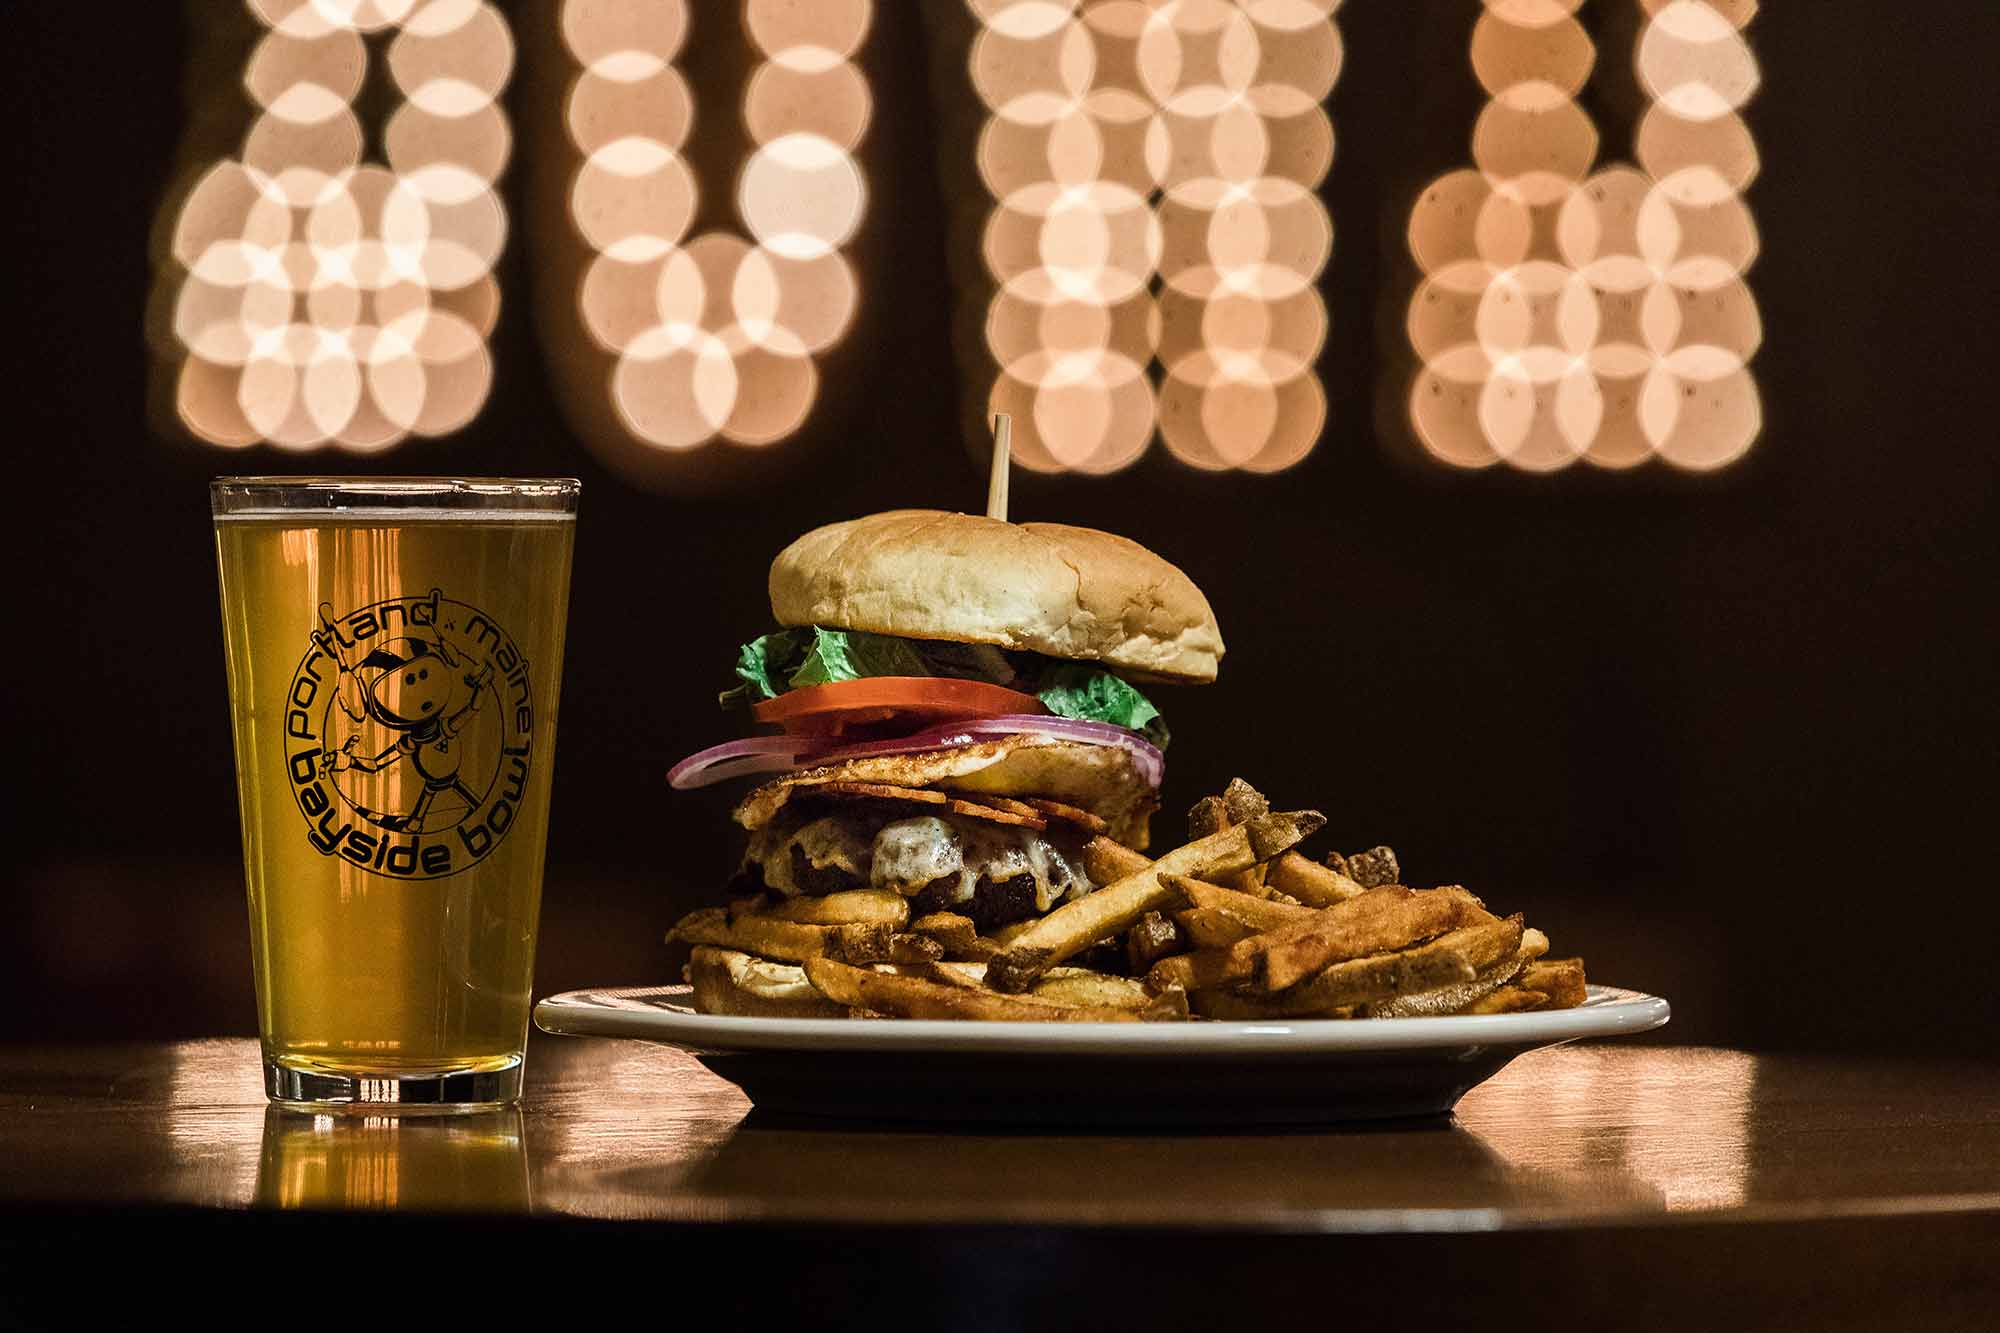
x=1641, y=1185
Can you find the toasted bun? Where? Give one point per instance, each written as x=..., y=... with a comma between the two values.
x=1099, y=778
x=1047, y=587
x=725, y=981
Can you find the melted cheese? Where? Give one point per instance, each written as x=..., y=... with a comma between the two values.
x=909, y=855
x=773, y=981
x=827, y=842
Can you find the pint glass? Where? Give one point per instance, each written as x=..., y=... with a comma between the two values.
x=394, y=647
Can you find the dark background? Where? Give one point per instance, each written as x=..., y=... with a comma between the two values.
x=1727, y=736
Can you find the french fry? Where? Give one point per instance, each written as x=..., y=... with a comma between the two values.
x=1379, y=921
x=1311, y=883
x=1238, y=804
x=1202, y=970
x=1242, y=803
x=727, y=981
x=955, y=934
x=1357, y=982
x=1234, y=1006
x=1003, y=936
x=1206, y=818
x=1450, y=999
x=947, y=928
x=854, y=907
x=1513, y=999
x=1374, y=868
x=788, y=941
x=1534, y=944
x=1207, y=928
x=1561, y=979
x=1076, y=985
x=1257, y=913
x=957, y=974
x=1453, y=958
x=914, y=949
x=1250, y=883
x=919, y=997
x=858, y=944
x=1151, y=938
x=1106, y=861
x=1082, y=922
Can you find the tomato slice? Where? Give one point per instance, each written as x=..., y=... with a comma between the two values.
x=874, y=700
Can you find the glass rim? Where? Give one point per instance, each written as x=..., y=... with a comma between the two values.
x=262, y=495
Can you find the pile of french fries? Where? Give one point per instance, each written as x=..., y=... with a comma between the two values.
x=1233, y=924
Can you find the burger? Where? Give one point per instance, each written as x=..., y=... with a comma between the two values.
x=953, y=706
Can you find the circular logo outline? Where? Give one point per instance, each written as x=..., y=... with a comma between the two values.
x=436, y=679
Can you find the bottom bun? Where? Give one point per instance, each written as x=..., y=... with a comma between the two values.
x=728, y=982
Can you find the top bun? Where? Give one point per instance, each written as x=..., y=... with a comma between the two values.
x=1046, y=587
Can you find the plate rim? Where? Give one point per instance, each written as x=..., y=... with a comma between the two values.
x=1609, y=1011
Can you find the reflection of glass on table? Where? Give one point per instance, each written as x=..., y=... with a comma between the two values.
x=473, y=1161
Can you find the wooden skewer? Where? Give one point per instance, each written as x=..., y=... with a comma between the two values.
x=996, y=485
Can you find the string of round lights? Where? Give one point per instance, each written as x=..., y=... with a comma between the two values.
x=1599, y=315
x=331, y=300
x=1155, y=238
x=715, y=335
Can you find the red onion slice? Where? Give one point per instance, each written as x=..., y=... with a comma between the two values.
x=917, y=742
x=780, y=754
x=735, y=759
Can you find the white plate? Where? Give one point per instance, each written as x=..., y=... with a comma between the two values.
x=1288, y=1071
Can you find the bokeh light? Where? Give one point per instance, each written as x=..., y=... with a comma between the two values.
x=329, y=300
x=715, y=335
x=1155, y=236
x=1574, y=312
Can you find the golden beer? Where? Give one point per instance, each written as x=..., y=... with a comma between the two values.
x=394, y=649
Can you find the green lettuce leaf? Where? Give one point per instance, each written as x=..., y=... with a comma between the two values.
x=1092, y=694
x=839, y=654
x=764, y=667
x=791, y=659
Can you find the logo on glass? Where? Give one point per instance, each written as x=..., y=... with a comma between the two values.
x=407, y=735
